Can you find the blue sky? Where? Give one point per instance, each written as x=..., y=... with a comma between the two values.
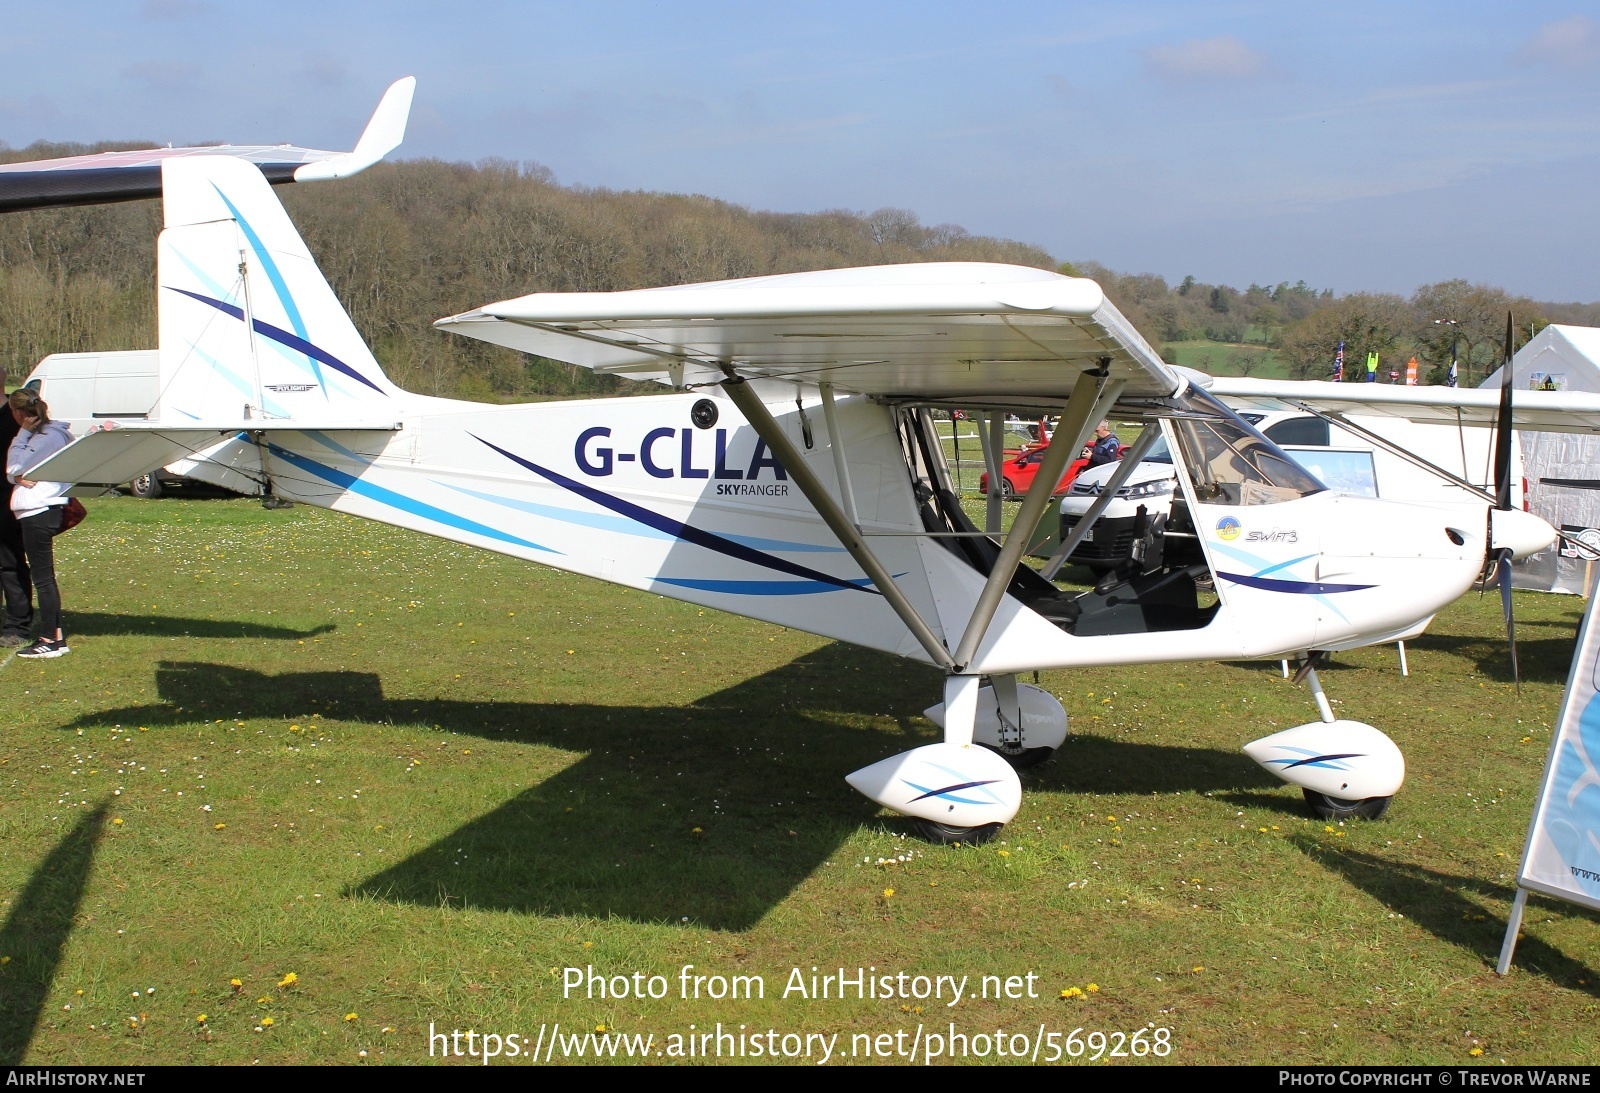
x=1360, y=146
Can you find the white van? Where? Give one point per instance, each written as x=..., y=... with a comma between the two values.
x=87, y=390
x=1340, y=459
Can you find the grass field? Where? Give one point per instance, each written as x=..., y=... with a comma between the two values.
x=329, y=783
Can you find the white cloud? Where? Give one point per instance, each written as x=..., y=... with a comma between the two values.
x=1221, y=58
x=1568, y=43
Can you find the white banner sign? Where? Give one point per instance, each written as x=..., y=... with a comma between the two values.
x=1562, y=855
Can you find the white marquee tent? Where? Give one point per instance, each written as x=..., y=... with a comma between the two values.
x=1560, y=358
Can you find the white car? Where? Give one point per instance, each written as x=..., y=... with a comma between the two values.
x=1143, y=506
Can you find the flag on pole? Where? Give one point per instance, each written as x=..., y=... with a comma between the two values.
x=1450, y=378
x=1338, y=363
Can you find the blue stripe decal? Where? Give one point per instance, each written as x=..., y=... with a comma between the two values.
x=1322, y=761
x=276, y=277
x=283, y=337
x=752, y=588
x=399, y=501
x=948, y=793
x=686, y=532
x=1298, y=588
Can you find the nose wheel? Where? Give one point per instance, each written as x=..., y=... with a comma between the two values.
x=1337, y=808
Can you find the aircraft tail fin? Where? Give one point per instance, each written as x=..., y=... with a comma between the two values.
x=249, y=328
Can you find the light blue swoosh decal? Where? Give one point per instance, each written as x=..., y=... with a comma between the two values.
x=686, y=532
x=278, y=284
x=622, y=525
x=753, y=588
x=948, y=793
x=399, y=501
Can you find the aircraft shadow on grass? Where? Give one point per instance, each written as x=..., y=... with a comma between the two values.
x=758, y=768
x=1444, y=905
x=36, y=932
x=102, y=624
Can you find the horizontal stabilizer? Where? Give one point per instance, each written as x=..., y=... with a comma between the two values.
x=1537, y=411
x=109, y=177
x=110, y=457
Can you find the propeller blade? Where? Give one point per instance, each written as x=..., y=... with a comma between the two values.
x=1511, y=622
x=1502, y=429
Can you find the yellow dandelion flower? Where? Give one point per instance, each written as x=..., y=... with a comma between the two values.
x=200, y=1019
x=1198, y=968
x=5, y=960
x=588, y=944
x=263, y=1000
x=697, y=831
x=599, y=1028
x=117, y=822
x=1475, y=1052
x=1262, y=830
x=1093, y=988
x=219, y=827
x=1072, y=992
x=350, y=1016
x=235, y=984
x=1329, y=830
x=289, y=980
x=1005, y=853
x=888, y=892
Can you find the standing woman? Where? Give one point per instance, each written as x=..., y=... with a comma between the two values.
x=38, y=507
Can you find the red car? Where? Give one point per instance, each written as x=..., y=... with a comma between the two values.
x=1018, y=471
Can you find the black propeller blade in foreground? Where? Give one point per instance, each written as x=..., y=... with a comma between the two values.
x=1502, y=497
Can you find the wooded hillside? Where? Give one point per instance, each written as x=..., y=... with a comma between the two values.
x=408, y=242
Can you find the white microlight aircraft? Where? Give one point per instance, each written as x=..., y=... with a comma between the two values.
x=794, y=475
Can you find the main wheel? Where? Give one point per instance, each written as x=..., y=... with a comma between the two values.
x=1337, y=808
x=1007, y=490
x=147, y=486
x=1023, y=759
x=946, y=835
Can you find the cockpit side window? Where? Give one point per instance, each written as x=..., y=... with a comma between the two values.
x=1232, y=464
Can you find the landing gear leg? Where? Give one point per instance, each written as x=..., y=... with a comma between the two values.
x=1344, y=768
x=955, y=791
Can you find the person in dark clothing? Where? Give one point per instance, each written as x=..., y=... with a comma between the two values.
x=1105, y=448
x=40, y=508
x=15, y=586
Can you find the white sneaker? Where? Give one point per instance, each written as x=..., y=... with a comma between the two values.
x=44, y=649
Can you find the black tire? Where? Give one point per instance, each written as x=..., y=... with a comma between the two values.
x=1025, y=759
x=1008, y=492
x=147, y=486
x=945, y=835
x=1337, y=808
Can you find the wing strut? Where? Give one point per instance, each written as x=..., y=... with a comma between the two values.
x=750, y=405
x=992, y=438
x=1108, y=492
x=1092, y=396
x=841, y=466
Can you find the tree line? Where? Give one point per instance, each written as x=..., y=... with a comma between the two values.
x=411, y=241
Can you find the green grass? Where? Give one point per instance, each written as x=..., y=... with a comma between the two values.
x=437, y=776
x=1226, y=358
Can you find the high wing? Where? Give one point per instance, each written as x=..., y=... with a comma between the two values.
x=128, y=176
x=1541, y=411
x=982, y=331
